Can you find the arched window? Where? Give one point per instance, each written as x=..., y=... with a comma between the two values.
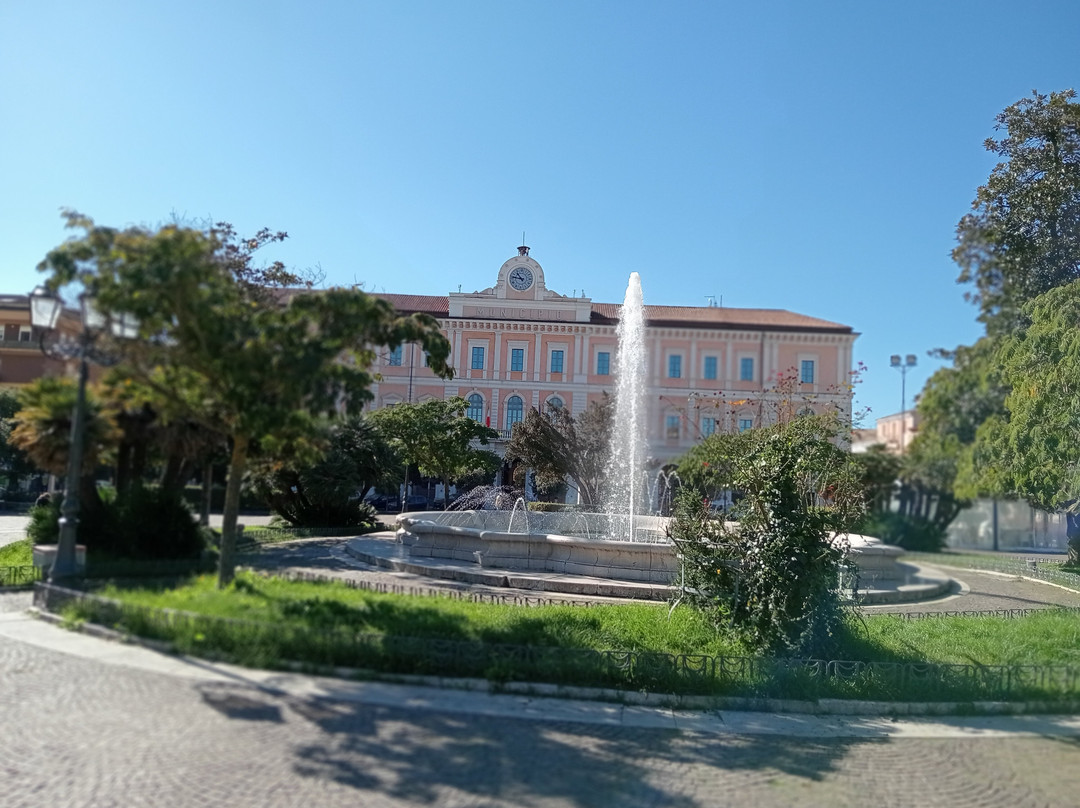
x=476, y=407
x=552, y=404
x=515, y=411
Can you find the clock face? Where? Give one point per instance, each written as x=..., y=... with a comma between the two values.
x=521, y=278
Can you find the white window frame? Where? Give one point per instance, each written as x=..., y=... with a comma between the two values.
x=511, y=346
x=483, y=405
x=507, y=423
x=558, y=346
x=668, y=356
x=809, y=357
x=716, y=367
x=753, y=367
x=670, y=418
x=596, y=361
x=479, y=343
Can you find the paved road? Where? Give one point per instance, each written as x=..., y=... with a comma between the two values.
x=90, y=723
x=13, y=528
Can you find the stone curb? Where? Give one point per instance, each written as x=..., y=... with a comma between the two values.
x=822, y=707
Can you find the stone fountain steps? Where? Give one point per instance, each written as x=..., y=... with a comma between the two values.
x=914, y=582
x=387, y=553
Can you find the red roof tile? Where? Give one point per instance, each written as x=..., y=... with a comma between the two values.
x=667, y=316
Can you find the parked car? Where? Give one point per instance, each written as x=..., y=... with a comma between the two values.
x=387, y=503
x=416, y=502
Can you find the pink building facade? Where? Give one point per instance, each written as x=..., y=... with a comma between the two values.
x=519, y=345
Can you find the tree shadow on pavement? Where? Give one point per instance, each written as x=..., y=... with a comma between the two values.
x=429, y=757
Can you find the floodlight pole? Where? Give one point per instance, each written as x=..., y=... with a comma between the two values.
x=909, y=362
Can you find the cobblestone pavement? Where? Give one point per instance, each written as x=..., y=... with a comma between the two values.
x=84, y=732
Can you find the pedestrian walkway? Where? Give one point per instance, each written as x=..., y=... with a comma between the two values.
x=475, y=697
x=95, y=723
x=12, y=528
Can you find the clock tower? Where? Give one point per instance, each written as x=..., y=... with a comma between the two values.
x=521, y=278
x=520, y=293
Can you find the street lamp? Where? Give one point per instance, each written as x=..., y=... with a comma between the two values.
x=909, y=362
x=45, y=311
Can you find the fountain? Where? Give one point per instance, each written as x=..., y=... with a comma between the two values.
x=630, y=426
x=492, y=527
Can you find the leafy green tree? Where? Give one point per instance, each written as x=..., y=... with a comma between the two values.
x=329, y=492
x=773, y=576
x=14, y=462
x=555, y=445
x=879, y=469
x=42, y=429
x=1032, y=450
x=437, y=437
x=1022, y=236
x=224, y=345
x=935, y=483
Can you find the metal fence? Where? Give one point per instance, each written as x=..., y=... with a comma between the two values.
x=268, y=643
x=20, y=577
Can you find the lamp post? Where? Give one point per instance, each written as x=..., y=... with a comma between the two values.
x=45, y=311
x=909, y=362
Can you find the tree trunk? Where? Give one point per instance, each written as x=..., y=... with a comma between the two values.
x=237, y=463
x=138, y=461
x=172, y=478
x=123, y=469
x=207, y=493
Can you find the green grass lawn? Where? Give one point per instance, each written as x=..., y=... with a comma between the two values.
x=17, y=554
x=318, y=606
x=1045, y=639
x=263, y=621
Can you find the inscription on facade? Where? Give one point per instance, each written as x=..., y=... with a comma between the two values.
x=505, y=313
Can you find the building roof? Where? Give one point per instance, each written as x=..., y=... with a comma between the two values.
x=666, y=316
x=411, y=304
x=720, y=317
x=21, y=302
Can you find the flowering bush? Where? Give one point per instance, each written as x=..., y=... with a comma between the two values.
x=773, y=575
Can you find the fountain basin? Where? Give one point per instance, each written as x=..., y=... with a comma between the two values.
x=597, y=558
x=565, y=543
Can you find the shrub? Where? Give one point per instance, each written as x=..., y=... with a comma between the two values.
x=250, y=500
x=148, y=523
x=910, y=532
x=556, y=507
x=774, y=577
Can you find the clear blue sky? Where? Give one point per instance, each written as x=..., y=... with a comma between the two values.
x=811, y=156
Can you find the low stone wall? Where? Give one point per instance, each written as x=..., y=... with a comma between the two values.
x=651, y=562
